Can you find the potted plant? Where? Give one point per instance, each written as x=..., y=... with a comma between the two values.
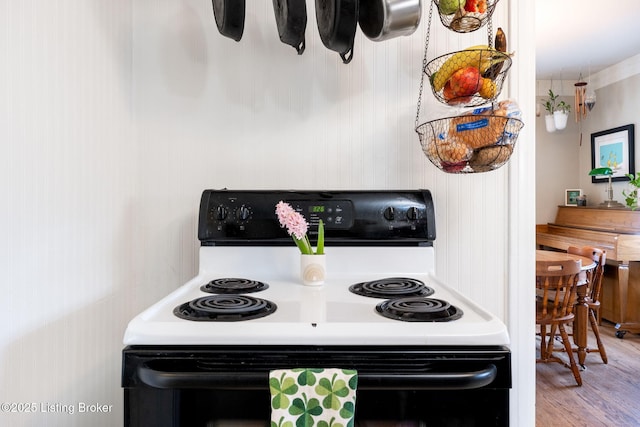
x=312, y=263
x=631, y=197
x=557, y=112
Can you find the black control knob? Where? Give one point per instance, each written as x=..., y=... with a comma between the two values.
x=412, y=213
x=243, y=213
x=221, y=213
x=389, y=213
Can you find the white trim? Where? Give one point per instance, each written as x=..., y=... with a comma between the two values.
x=622, y=70
x=521, y=238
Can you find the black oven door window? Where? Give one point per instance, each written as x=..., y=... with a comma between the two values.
x=234, y=408
x=400, y=389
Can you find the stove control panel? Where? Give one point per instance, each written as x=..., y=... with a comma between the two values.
x=335, y=214
x=247, y=217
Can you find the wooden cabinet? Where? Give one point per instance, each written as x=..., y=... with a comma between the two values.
x=611, y=294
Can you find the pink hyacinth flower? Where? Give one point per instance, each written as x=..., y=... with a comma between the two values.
x=294, y=222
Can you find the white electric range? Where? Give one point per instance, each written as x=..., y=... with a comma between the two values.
x=247, y=311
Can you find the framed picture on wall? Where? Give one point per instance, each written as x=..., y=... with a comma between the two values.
x=613, y=148
x=571, y=196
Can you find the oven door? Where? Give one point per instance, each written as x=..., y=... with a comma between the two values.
x=228, y=386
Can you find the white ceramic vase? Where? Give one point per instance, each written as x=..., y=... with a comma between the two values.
x=313, y=269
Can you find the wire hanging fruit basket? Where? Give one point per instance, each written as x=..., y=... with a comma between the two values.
x=465, y=16
x=479, y=141
x=469, y=77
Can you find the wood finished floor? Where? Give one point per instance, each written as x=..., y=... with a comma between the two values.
x=609, y=396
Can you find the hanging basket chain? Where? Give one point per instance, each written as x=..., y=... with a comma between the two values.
x=424, y=64
x=476, y=141
x=490, y=32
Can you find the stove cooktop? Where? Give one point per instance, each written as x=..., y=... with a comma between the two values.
x=330, y=314
x=369, y=236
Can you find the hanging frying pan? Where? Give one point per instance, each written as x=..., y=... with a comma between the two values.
x=384, y=19
x=229, y=15
x=337, y=21
x=291, y=19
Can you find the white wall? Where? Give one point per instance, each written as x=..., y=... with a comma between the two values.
x=617, y=105
x=561, y=162
x=68, y=221
x=120, y=113
x=557, y=160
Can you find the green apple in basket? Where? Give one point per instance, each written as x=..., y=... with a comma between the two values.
x=448, y=7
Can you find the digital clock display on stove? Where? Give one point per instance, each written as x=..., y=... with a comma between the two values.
x=336, y=214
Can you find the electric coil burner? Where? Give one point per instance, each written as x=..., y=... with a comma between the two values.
x=417, y=309
x=234, y=286
x=226, y=308
x=392, y=287
x=201, y=356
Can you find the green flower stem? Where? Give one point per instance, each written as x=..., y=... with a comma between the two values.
x=308, y=243
x=303, y=244
x=320, y=248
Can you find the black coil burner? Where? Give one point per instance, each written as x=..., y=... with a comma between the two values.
x=418, y=309
x=225, y=308
x=392, y=287
x=233, y=285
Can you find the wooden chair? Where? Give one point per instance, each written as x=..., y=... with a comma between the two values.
x=594, y=278
x=556, y=283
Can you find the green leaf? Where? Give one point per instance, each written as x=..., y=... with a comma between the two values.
x=348, y=410
x=305, y=420
x=303, y=244
x=279, y=389
x=280, y=401
x=320, y=247
x=332, y=391
x=297, y=407
x=340, y=388
x=353, y=381
x=307, y=377
x=313, y=407
x=289, y=386
x=306, y=410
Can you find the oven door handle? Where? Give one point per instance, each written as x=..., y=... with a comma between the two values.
x=366, y=381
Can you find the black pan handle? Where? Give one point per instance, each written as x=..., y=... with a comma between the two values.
x=366, y=381
x=300, y=47
x=344, y=57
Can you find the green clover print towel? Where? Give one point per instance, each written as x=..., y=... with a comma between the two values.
x=313, y=397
